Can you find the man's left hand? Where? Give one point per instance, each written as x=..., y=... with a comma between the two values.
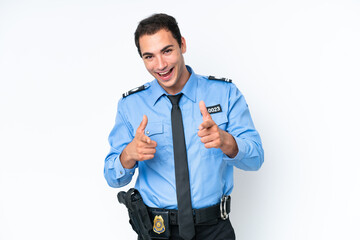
x=214, y=137
x=209, y=132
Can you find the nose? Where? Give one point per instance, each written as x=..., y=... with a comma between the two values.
x=161, y=63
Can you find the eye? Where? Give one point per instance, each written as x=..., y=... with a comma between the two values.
x=148, y=57
x=167, y=51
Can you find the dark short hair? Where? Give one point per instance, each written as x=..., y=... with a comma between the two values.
x=155, y=23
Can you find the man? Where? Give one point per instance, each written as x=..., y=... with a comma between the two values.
x=185, y=149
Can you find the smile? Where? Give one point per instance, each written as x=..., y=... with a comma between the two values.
x=166, y=74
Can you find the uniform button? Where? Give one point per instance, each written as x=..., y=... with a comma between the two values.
x=131, y=173
x=147, y=132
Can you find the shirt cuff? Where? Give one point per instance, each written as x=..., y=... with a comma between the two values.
x=241, y=153
x=120, y=170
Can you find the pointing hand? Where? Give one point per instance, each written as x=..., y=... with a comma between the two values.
x=141, y=148
x=209, y=132
x=214, y=137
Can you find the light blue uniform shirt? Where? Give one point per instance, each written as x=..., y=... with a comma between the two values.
x=210, y=171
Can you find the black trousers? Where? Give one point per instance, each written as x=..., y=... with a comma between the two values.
x=222, y=230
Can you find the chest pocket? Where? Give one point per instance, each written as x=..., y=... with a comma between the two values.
x=215, y=154
x=154, y=128
x=156, y=132
x=220, y=119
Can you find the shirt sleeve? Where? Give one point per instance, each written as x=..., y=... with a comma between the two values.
x=120, y=136
x=240, y=125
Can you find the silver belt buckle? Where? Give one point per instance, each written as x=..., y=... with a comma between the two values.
x=223, y=213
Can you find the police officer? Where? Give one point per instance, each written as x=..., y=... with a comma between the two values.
x=218, y=133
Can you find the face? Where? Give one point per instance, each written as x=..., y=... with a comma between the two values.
x=163, y=58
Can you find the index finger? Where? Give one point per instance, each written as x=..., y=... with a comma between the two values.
x=204, y=111
x=145, y=138
x=206, y=124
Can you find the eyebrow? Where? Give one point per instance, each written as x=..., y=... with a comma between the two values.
x=162, y=50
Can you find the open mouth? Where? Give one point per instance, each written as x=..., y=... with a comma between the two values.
x=165, y=75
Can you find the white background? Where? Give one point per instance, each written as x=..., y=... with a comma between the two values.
x=64, y=64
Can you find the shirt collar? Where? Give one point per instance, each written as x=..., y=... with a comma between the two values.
x=156, y=91
x=189, y=89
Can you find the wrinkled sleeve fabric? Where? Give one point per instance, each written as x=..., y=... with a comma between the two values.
x=120, y=136
x=240, y=125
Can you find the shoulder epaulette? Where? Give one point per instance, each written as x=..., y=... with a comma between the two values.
x=134, y=90
x=220, y=79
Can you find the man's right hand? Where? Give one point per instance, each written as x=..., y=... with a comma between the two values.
x=139, y=149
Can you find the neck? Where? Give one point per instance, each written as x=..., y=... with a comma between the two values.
x=182, y=81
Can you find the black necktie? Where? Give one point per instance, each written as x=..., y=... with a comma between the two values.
x=185, y=216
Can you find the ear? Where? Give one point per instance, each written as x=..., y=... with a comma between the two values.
x=183, y=45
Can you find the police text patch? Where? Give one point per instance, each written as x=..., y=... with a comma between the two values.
x=214, y=109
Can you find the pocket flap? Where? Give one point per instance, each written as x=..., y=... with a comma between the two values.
x=153, y=128
x=219, y=118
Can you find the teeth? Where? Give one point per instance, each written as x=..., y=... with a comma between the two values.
x=164, y=73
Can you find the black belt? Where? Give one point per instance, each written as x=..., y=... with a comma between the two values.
x=202, y=215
